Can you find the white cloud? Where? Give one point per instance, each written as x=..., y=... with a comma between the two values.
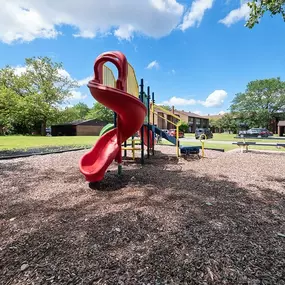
x=242, y=13
x=215, y=99
x=64, y=73
x=222, y=113
x=77, y=95
x=173, y=71
x=153, y=64
x=84, y=81
x=124, y=32
x=19, y=70
x=85, y=34
x=196, y=13
x=176, y=101
x=198, y=112
x=26, y=20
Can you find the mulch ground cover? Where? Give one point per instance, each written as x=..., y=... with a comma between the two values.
x=218, y=220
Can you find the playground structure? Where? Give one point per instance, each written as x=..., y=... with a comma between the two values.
x=133, y=113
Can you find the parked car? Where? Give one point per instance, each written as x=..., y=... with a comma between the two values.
x=203, y=131
x=240, y=133
x=172, y=132
x=258, y=132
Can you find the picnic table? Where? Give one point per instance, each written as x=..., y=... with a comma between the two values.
x=245, y=144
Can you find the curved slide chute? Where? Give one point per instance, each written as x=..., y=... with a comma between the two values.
x=130, y=110
x=110, y=126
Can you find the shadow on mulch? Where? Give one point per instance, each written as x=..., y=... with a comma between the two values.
x=165, y=226
x=277, y=179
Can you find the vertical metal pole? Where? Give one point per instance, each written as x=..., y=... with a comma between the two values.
x=142, y=128
x=133, y=147
x=119, y=156
x=125, y=151
x=148, y=124
x=177, y=140
x=153, y=133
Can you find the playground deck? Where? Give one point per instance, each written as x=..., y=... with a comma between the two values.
x=218, y=220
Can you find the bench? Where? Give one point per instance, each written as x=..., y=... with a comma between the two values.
x=245, y=145
x=187, y=150
x=260, y=138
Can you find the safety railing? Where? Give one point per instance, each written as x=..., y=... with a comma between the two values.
x=108, y=77
x=176, y=124
x=132, y=83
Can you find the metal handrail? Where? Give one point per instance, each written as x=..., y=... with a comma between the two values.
x=175, y=124
x=167, y=112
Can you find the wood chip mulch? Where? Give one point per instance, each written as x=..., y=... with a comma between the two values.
x=217, y=220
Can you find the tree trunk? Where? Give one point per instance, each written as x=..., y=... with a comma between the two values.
x=43, y=128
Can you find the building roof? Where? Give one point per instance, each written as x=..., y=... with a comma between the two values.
x=91, y=122
x=177, y=112
x=281, y=124
x=189, y=114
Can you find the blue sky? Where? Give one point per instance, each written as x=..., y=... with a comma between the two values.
x=199, y=53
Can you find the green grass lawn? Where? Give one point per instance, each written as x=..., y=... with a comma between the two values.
x=24, y=142
x=217, y=137
x=231, y=137
x=228, y=147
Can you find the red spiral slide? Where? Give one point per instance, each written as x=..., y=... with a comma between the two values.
x=130, y=110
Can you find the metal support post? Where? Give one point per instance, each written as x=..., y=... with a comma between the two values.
x=142, y=128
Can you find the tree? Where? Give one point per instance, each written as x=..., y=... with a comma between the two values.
x=49, y=84
x=184, y=127
x=17, y=83
x=8, y=108
x=76, y=112
x=215, y=123
x=100, y=112
x=40, y=88
x=260, y=102
x=81, y=109
x=259, y=7
x=228, y=122
x=166, y=107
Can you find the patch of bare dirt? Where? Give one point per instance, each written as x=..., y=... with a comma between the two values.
x=217, y=220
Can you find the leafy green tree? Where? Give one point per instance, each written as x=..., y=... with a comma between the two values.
x=81, y=109
x=8, y=108
x=215, y=123
x=49, y=84
x=40, y=88
x=166, y=107
x=184, y=127
x=228, y=122
x=100, y=112
x=260, y=102
x=17, y=83
x=259, y=7
x=69, y=114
